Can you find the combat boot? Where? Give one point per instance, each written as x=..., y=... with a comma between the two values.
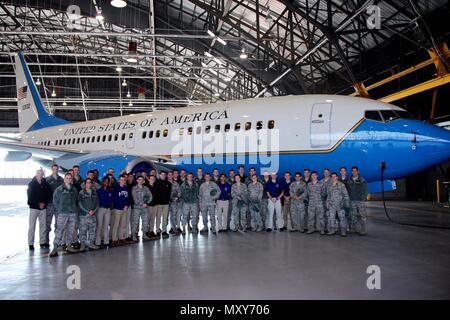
x=93, y=247
x=71, y=249
x=330, y=233
x=82, y=247
x=343, y=233
x=145, y=237
x=54, y=253
x=205, y=229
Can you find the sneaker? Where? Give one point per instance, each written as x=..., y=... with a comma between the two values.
x=343, y=234
x=282, y=229
x=165, y=235
x=310, y=231
x=31, y=247
x=71, y=249
x=268, y=230
x=330, y=233
x=302, y=230
x=76, y=245
x=53, y=253
x=93, y=247
x=322, y=232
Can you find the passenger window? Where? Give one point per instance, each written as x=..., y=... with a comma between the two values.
x=373, y=115
x=237, y=126
x=65, y=141
x=98, y=138
x=271, y=124
x=123, y=136
x=78, y=141
x=130, y=135
x=259, y=125
x=73, y=141
x=104, y=138
x=217, y=128
x=150, y=134
x=199, y=130
x=207, y=129
x=144, y=134
x=68, y=141
x=165, y=132
x=116, y=137
x=181, y=131
x=88, y=139
x=189, y=131
x=248, y=125
x=158, y=133
x=56, y=142
x=82, y=140
x=227, y=127
x=110, y=137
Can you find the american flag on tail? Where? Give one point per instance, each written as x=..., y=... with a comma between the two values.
x=22, y=93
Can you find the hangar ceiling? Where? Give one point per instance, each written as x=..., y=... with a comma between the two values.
x=192, y=51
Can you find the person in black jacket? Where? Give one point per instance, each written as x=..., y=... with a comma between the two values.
x=39, y=193
x=163, y=192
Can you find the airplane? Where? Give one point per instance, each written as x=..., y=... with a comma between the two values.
x=287, y=133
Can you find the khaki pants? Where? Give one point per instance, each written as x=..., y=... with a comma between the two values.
x=120, y=225
x=36, y=214
x=162, y=212
x=152, y=211
x=103, y=218
x=222, y=214
x=128, y=223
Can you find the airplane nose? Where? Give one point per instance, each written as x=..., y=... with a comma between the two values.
x=433, y=143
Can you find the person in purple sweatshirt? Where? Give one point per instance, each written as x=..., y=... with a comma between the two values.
x=121, y=203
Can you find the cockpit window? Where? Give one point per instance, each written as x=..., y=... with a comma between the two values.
x=387, y=115
x=373, y=115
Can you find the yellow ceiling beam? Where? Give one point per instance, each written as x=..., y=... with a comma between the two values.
x=424, y=86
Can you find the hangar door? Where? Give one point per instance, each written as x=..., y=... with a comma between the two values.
x=320, y=126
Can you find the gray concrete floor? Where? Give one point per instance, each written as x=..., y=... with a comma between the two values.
x=414, y=263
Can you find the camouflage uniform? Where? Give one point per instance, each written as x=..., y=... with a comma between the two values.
x=239, y=205
x=264, y=203
x=51, y=210
x=326, y=184
x=65, y=202
x=208, y=193
x=175, y=206
x=298, y=189
x=348, y=211
x=358, y=192
x=141, y=196
x=305, y=225
x=189, y=195
x=337, y=201
x=316, y=194
x=87, y=200
x=255, y=193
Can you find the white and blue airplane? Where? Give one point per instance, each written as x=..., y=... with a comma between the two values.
x=315, y=132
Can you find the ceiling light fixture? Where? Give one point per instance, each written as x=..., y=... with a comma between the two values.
x=130, y=104
x=38, y=82
x=118, y=3
x=243, y=54
x=53, y=93
x=132, y=50
x=119, y=69
x=128, y=94
x=124, y=83
x=64, y=103
x=99, y=15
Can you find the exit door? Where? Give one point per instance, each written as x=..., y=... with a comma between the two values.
x=130, y=138
x=321, y=125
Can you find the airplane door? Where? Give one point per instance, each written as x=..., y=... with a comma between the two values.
x=131, y=134
x=320, y=125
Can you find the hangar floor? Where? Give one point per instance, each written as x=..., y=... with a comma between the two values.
x=414, y=262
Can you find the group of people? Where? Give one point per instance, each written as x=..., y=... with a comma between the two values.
x=90, y=213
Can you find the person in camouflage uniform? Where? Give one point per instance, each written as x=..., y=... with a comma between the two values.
x=255, y=193
x=344, y=179
x=189, y=195
x=316, y=193
x=54, y=180
x=265, y=199
x=239, y=204
x=326, y=182
x=208, y=193
x=297, y=190
x=358, y=191
x=88, y=203
x=337, y=201
x=65, y=201
x=174, y=205
x=141, y=196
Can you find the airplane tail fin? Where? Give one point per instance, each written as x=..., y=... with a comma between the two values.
x=32, y=114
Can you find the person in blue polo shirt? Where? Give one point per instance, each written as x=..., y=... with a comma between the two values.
x=275, y=192
x=223, y=203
